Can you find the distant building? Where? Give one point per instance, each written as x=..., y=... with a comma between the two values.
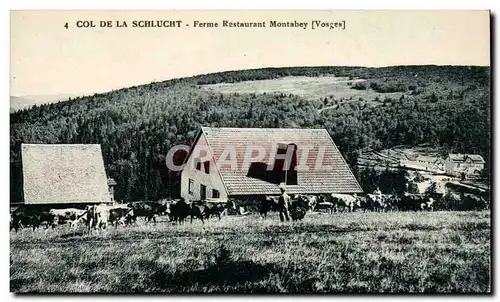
x=422, y=162
x=464, y=165
x=64, y=174
x=203, y=176
x=111, y=188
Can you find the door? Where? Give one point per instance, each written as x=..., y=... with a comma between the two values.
x=203, y=192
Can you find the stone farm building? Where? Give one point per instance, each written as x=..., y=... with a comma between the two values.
x=62, y=174
x=464, y=165
x=254, y=159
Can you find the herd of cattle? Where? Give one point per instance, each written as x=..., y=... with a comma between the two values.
x=98, y=217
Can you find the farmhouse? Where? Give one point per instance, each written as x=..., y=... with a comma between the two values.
x=64, y=174
x=464, y=165
x=237, y=162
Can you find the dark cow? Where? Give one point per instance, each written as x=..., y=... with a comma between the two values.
x=365, y=203
x=299, y=207
x=309, y=201
x=147, y=209
x=178, y=210
x=24, y=217
x=120, y=215
x=198, y=210
x=218, y=209
x=414, y=202
x=267, y=204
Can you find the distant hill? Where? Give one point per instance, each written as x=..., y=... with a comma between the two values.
x=23, y=102
x=443, y=106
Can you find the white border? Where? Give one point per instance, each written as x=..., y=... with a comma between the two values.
x=200, y=4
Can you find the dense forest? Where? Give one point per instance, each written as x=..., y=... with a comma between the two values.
x=444, y=106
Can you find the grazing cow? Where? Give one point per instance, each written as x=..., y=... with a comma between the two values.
x=179, y=210
x=198, y=210
x=324, y=203
x=120, y=214
x=218, y=209
x=31, y=218
x=377, y=202
x=310, y=201
x=147, y=209
x=70, y=216
x=414, y=202
x=344, y=201
x=365, y=203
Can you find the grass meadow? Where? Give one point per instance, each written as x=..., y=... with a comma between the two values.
x=396, y=252
x=307, y=87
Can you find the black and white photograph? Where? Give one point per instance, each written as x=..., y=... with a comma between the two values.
x=250, y=152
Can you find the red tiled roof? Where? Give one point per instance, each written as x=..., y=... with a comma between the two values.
x=336, y=178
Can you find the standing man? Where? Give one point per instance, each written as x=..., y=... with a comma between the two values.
x=283, y=203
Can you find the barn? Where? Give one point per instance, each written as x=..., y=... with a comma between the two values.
x=238, y=162
x=62, y=174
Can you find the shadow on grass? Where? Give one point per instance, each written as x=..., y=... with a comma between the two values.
x=230, y=277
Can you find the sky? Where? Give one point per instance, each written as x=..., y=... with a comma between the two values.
x=49, y=59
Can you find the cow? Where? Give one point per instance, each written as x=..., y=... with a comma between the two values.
x=267, y=204
x=365, y=203
x=324, y=203
x=344, y=201
x=393, y=202
x=414, y=202
x=147, y=209
x=97, y=217
x=217, y=208
x=120, y=214
x=377, y=202
x=24, y=217
x=198, y=210
x=179, y=210
x=310, y=201
x=299, y=207
x=70, y=216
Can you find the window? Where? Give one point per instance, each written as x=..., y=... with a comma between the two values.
x=215, y=193
x=207, y=167
x=203, y=192
x=191, y=186
x=198, y=164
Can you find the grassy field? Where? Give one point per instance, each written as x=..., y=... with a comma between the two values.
x=423, y=252
x=307, y=87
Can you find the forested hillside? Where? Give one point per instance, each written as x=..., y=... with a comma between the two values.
x=445, y=106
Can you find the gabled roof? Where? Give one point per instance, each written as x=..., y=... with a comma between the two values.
x=63, y=174
x=476, y=158
x=463, y=157
x=337, y=179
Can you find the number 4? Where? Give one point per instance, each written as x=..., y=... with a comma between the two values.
x=66, y=25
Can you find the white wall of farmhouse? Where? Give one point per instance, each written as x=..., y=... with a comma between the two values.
x=211, y=181
x=456, y=168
